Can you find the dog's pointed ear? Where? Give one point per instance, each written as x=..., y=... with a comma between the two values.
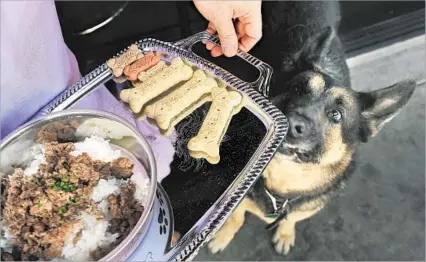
x=324, y=53
x=380, y=106
x=317, y=46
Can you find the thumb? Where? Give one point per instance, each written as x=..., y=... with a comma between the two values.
x=227, y=36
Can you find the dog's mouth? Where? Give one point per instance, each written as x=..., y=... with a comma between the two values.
x=297, y=153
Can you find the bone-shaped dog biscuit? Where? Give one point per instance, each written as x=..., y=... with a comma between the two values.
x=151, y=72
x=243, y=103
x=206, y=143
x=174, y=66
x=118, y=64
x=143, y=76
x=149, y=60
x=206, y=98
x=210, y=159
x=185, y=113
x=168, y=107
x=138, y=96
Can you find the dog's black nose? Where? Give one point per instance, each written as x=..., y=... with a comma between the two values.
x=299, y=125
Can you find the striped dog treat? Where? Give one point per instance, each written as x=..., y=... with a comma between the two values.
x=118, y=64
x=149, y=60
x=144, y=92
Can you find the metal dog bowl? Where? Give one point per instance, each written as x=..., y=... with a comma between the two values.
x=14, y=151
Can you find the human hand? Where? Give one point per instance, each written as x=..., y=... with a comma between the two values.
x=243, y=34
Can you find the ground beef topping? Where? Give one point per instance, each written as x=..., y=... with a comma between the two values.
x=41, y=210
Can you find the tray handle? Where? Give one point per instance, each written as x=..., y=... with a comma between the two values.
x=261, y=84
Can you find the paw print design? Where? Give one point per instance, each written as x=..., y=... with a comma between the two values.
x=149, y=257
x=162, y=219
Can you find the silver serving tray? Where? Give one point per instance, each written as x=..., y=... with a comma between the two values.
x=275, y=122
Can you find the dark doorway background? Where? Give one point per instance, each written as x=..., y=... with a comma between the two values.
x=365, y=24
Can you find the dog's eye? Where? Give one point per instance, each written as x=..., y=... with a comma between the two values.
x=335, y=115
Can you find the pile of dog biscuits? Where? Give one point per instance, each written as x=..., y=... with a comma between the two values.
x=167, y=93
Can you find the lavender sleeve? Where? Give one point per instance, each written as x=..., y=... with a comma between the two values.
x=36, y=65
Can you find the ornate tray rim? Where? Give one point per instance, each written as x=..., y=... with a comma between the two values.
x=275, y=121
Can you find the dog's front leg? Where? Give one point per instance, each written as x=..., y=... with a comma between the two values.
x=227, y=232
x=285, y=234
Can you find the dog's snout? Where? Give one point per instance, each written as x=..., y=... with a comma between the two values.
x=299, y=126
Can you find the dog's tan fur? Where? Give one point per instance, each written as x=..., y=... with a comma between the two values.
x=296, y=178
x=317, y=83
x=285, y=176
x=285, y=234
x=282, y=175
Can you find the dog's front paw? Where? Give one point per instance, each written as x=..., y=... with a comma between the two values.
x=221, y=240
x=284, y=238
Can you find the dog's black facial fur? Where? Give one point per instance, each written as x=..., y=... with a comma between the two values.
x=315, y=112
x=310, y=48
x=302, y=40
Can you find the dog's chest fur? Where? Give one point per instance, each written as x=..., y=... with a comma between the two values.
x=286, y=177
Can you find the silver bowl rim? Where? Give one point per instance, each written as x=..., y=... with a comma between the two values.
x=142, y=222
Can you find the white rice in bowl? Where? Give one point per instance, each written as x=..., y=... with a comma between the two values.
x=91, y=231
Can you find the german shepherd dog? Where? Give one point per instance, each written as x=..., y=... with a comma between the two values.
x=327, y=121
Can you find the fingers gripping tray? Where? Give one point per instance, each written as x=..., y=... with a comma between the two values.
x=209, y=177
